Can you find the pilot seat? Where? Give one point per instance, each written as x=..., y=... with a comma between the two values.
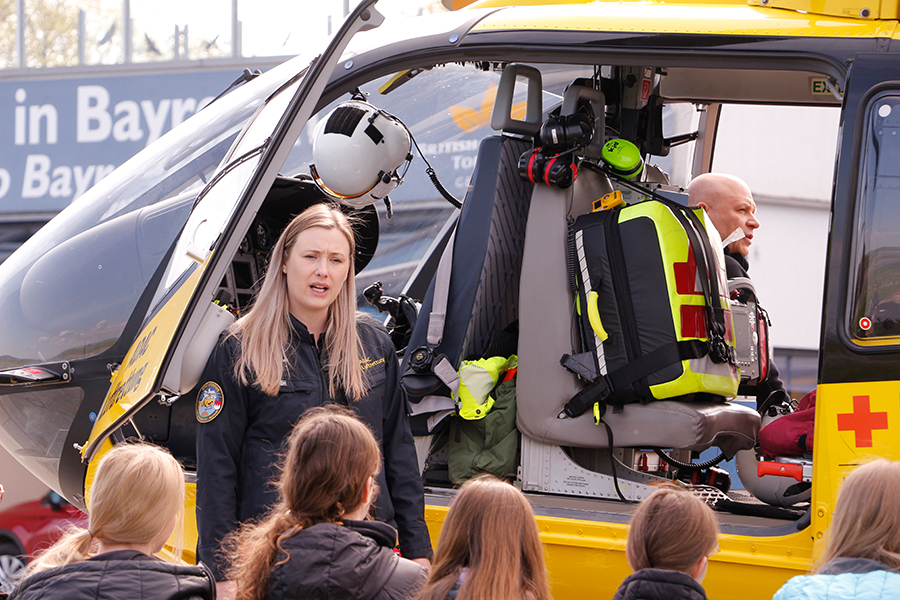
x=508, y=265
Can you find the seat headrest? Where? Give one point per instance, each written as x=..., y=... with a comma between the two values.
x=501, y=117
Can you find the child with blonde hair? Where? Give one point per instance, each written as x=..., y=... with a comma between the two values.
x=136, y=502
x=862, y=551
x=673, y=534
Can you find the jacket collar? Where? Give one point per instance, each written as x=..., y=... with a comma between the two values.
x=839, y=565
x=382, y=533
x=122, y=555
x=301, y=333
x=661, y=583
x=740, y=258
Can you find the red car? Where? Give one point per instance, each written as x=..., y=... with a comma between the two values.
x=28, y=528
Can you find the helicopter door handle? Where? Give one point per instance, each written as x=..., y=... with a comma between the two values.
x=800, y=472
x=193, y=251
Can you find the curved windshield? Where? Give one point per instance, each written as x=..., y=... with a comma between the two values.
x=213, y=210
x=67, y=293
x=447, y=108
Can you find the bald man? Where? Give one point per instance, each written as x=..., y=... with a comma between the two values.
x=730, y=206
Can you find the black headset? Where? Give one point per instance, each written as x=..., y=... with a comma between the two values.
x=553, y=162
x=566, y=132
x=555, y=170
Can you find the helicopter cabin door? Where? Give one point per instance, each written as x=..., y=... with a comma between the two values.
x=220, y=217
x=857, y=408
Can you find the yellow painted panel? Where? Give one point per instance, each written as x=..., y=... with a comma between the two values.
x=855, y=422
x=92, y=472
x=456, y=4
x=133, y=380
x=499, y=3
x=893, y=340
x=855, y=9
x=189, y=552
x=863, y=9
x=586, y=559
x=189, y=533
x=667, y=17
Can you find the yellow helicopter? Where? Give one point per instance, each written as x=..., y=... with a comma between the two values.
x=108, y=313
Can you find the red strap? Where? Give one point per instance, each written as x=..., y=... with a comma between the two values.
x=534, y=153
x=547, y=170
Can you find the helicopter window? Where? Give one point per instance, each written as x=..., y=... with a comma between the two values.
x=117, y=234
x=448, y=110
x=874, y=316
x=35, y=426
x=679, y=119
x=215, y=206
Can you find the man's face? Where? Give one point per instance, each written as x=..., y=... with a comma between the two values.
x=734, y=208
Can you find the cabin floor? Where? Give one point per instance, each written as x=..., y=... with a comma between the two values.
x=770, y=521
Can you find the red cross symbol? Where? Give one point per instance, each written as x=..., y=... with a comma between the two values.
x=693, y=317
x=862, y=421
x=686, y=275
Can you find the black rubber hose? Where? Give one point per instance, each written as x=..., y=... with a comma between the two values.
x=689, y=466
x=440, y=186
x=612, y=462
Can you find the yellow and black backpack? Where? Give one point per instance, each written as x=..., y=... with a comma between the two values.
x=652, y=306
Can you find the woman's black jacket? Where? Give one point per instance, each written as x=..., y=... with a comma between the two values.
x=238, y=449
x=118, y=575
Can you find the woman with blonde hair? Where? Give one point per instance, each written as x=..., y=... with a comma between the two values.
x=136, y=502
x=489, y=548
x=301, y=345
x=673, y=533
x=862, y=551
x=315, y=543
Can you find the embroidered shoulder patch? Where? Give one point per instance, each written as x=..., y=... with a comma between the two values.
x=210, y=402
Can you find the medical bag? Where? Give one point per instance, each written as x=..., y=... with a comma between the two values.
x=751, y=334
x=652, y=305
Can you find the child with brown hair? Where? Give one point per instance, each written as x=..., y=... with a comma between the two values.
x=490, y=547
x=316, y=542
x=673, y=534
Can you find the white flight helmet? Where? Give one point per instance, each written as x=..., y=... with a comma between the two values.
x=357, y=151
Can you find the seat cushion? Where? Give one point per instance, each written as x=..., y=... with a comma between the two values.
x=690, y=425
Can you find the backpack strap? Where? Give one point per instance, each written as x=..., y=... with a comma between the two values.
x=599, y=389
x=719, y=350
